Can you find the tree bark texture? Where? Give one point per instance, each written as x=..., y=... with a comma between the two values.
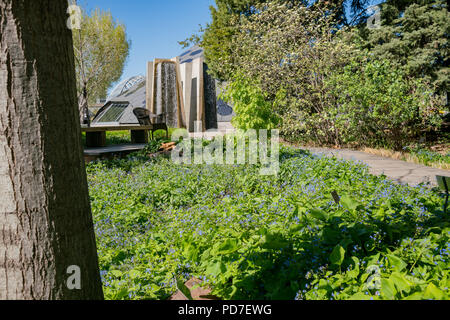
x=46, y=223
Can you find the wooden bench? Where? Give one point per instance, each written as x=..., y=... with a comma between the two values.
x=96, y=135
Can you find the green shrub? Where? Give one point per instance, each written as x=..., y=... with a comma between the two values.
x=377, y=106
x=288, y=51
x=253, y=110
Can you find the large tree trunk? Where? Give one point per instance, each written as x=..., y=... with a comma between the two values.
x=45, y=216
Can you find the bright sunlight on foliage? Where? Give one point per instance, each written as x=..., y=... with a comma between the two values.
x=278, y=237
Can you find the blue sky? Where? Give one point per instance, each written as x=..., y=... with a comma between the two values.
x=154, y=26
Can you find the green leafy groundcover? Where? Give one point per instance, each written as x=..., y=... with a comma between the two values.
x=257, y=237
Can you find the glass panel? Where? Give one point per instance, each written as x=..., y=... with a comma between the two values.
x=113, y=113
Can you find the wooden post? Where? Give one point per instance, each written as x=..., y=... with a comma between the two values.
x=150, y=90
x=139, y=136
x=96, y=139
x=155, y=66
x=181, y=110
x=188, y=94
x=198, y=67
x=201, y=94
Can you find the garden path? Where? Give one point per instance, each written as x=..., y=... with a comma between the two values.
x=223, y=128
x=396, y=170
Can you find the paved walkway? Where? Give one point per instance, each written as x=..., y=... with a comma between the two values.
x=397, y=170
x=223, y=128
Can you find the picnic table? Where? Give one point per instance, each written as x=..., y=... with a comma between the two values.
x=96, y=135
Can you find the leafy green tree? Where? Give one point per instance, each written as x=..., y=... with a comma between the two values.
x=101, y=49
x=289, y=51
x=217, y=36
x=295, y=57
x=227, y=15
x=414, y=35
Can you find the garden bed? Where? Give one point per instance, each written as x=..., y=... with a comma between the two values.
x=267, y=237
